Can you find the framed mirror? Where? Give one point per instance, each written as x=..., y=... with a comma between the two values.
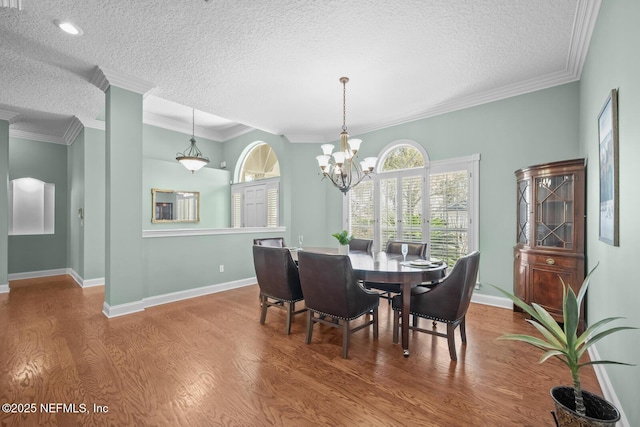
x=174, y=206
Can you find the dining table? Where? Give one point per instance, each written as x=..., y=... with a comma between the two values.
x=382, y=267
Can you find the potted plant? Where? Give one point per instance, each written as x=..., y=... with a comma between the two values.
x=343, y=238
x=574, y=407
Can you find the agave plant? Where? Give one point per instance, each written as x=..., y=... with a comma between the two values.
x=564, y=343
x=343, y=237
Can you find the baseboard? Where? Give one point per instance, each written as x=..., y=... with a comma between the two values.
x=85, y=283
x=607, y=388
x=197, y=292
x=75, y=276
x=57, y=272
x=137, y=306
x=122, y=309
x=35, y=274
x=491, y=300
x=93, y=282
x=4, y=289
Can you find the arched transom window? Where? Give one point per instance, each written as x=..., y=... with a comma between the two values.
x=260, y=163
x=402, y=157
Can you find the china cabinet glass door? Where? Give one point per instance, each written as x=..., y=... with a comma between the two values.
x=554, y=211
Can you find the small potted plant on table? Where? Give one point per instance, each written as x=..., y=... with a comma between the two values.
x=574, y=406
x=343, y=238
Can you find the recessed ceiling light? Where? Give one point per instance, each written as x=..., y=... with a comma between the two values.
x=68, y=27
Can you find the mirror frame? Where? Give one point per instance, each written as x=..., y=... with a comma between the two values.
x=153, y=206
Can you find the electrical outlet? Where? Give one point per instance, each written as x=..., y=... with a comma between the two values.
x=221, y=268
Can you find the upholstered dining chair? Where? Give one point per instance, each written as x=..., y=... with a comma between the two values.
x=277, y=242
x=446, y=302
x=278, y=280
x=331, y=291
x=361, y=245
x=395, y=247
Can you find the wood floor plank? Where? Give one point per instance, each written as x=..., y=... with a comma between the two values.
x=208, y=361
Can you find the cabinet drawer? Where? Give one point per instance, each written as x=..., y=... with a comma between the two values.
x=554, y=260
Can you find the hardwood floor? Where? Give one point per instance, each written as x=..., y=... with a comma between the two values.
x=208, y=361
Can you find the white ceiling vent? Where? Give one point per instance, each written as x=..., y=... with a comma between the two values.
x=14, y=4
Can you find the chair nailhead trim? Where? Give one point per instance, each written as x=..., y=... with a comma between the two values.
x=333, y=316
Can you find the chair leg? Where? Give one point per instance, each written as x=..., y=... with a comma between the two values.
x=375, y=323
x=309, y=326
x=452, y=341
x=263, y=308
x=463, y=330
x=396, y=325
x=287, y=325
x=345, y=339
x=415, y=321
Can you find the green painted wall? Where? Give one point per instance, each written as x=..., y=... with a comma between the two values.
x=94, y=204
x=75, y=179
x=4, y=202
x=46, y=162
x=123, y=271
x=613, y=63
x=161, y=170
x=164, y=144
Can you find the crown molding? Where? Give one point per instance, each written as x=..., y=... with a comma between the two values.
x=91, y=123
x=72, y=132
x=178, y=126
x=235, y=131
x=156, y=120
x=584, y=23
x=23, y=134
x=11, y=4
x=307, y=139
x=103, y=78
x=8, y=115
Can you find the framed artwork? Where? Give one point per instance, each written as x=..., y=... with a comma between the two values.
x=608, y=148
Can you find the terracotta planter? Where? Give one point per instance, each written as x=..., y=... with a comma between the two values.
x=600, y=413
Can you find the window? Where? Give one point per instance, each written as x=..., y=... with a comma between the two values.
x=255, y=199
x=260, y=163
x=412, y=199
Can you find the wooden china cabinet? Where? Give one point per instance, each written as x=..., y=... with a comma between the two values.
x=550, y=233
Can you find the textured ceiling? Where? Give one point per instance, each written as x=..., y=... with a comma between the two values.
x=274, y=65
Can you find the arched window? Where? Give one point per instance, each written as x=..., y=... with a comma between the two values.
x=255, y=198
x=403, y=156
x=260, y=163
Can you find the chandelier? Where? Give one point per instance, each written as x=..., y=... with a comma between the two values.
x=341, y=167
x=192, y=157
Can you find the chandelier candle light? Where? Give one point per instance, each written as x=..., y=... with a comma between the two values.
x=341, y=167
x=192, y=157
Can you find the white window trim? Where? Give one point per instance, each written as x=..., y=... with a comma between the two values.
x=472, y=165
